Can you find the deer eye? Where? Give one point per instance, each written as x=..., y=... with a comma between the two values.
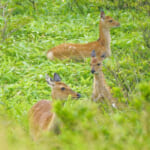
x=98, y=64
x=62, y=88
x=110, y=20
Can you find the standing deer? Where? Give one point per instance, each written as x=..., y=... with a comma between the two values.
x=41, y=116
x=102, y=45
x=101, y=91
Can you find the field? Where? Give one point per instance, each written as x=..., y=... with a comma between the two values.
x=29, y=30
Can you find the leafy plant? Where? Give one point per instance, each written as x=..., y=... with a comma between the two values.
x=31, y=32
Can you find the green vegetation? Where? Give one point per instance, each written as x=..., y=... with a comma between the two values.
x=29, y=28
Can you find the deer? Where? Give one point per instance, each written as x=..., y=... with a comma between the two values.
x=101, y=90
x=81, y=51
x=41, y=115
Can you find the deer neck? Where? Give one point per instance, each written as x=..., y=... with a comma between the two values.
x=99, y=80
x=105, y=38
x=53, y=95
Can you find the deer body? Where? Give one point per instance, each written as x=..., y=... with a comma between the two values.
x=101, y=90
x=41, y=115
x=102, y=45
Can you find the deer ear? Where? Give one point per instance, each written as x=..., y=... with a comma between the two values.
x=93, y=54
x=49, y=81
x=102, y=14
x=56, y=77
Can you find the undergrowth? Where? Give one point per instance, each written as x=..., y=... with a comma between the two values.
x=85, y=125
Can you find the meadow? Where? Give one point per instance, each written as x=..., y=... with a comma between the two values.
x=29, y=29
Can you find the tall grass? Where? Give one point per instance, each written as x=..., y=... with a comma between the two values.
x=85, y=125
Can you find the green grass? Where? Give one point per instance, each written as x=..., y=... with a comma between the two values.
x=86, y=125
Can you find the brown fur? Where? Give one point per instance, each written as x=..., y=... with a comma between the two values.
x=41, y=116
x=75, y=51
x=101, y=90
x=58, y=94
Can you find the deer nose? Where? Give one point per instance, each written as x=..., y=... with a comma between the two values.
x=92, y=71
x=78, y=95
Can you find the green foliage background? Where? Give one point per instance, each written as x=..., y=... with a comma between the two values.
x=29, y=28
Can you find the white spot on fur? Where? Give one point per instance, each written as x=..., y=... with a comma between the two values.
x=50, y=55
x=72, y=47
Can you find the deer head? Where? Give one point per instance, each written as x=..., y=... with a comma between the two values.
x=107, y=21
x=96, y=62
x=60, y=90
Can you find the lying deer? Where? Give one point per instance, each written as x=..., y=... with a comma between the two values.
x=81, y=51
x=41, y=116
x=101, y=91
